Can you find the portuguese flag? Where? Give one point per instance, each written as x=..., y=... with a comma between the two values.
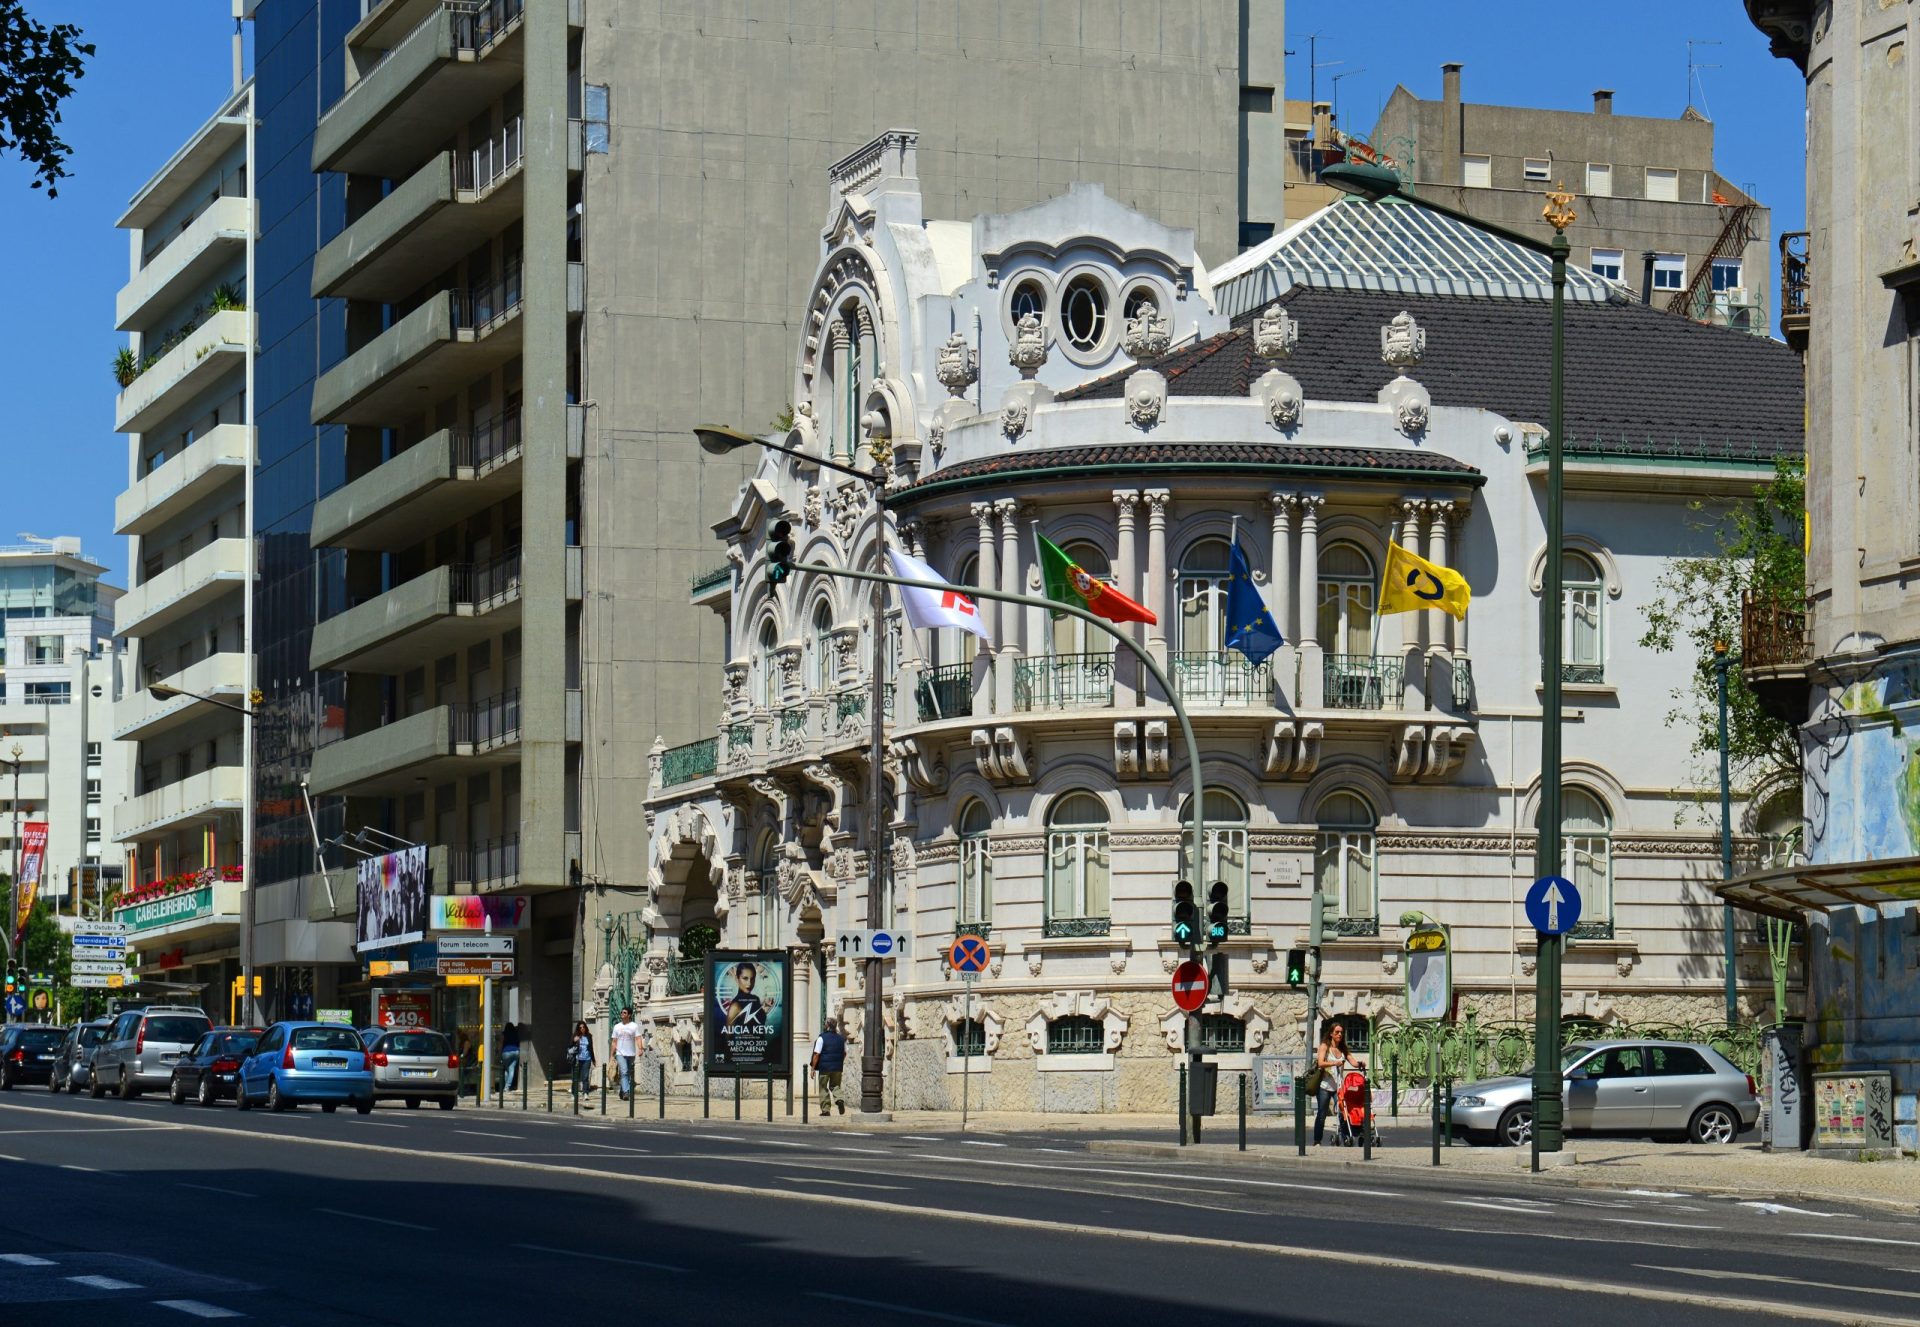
x=1069, y=583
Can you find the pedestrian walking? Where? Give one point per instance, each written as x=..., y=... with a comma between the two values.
x=581, y=1053
x=509, y=1056
x=626, y=1046
x=829, y=1059
x=1330, y=1061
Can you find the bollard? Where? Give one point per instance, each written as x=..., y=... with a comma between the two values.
x=1447, y=1131
x=706, y=1096
x=633, y=1088
x=806, y=1099
x=603, y=1095
x=575, y=1079
x=1183, y=1103
x=523, y=1089
x=1393, y=1090
x=736, y=1096
x=789, y=1096
x=1300, y=1113
x=769, y=1096
x=1243, y=1112
x=549, y=1094
x=1366, y=1126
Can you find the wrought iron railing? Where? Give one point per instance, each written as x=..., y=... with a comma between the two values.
x=480, y=166
x=487, y=582
x=1462, y=684
x=849, y=711
x=793, y=728
x=1076, y=928
x=982, y=929
x=1075, y=1036
x=1594, y=928
x=1583, y=674
x=685, y=976
x=477, y=22
x=1773, y=631
x=1362, y=681
x=739, y=745
x=1796, y=281
x=1353, y=927
x=1222, y=1034
x=490, y=722
x=1470, y=1049
x=690, y=761
x=1063, y=681
x=970, y=1038
x=1220, y=677
x=703, y=581
x=944, y=693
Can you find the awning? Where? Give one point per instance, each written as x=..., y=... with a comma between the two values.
x=1789, y=892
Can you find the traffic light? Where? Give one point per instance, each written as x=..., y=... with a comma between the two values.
x=1296, y=967
x=1218, y=981
x=1186, y=917
x=1216, y=914
x=780, y=556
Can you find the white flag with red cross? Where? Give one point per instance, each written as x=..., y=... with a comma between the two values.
x=932, y=609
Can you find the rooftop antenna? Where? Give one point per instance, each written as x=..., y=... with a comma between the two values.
x=1314, y=66
x=1693, y=74
x=1344, y=73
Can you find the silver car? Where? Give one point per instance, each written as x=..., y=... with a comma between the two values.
x=414, y=1065
x=141, y=1050
x=75, y=1065
x=1658, y=1088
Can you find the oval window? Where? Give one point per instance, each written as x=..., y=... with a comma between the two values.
x=1083, y=313
x=1029, y=297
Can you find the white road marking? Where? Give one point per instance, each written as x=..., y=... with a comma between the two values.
x=615, y=1147
x=907, y=1309
x=104, y=1283
x=482, y=1133
x=978, y=1142
x=209, y=1188
x=1572, y=1239
x=720, y=1137
x=775, y=1142
x=378, y=1124
x=601, y=1257
x=863, y=1151
x=919, y=1138
x=1318, y=1187
x=1664, y=1225
x=845, y=1184
x=8, y=1156
x=1781, y=1209
x=26, y=1260
x=1855, y=1239
x=195, y=1308
x=95, y=1128
x=1719, y=1274
x=377, y=1220
x=1508, y=1208
x=91, y=1170
x=1058, y=1151
x=1650, y=1193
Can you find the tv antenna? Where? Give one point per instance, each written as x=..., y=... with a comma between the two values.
x=1693, y=74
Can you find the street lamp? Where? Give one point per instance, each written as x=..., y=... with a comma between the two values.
x=1726, y=837
x=167, y=691
x=1376, y=184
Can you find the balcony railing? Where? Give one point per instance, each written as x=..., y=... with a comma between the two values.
x=945, y=693
x=486, y=582
x=478, y=306
x=1063, y=681
x=850, y=709
x=793, y=727
x=701, y=582
x=1796, y=281
x=685, y=976
x=739, y=745
x=1773, y=631
x=1353, y=927
x=478, y=167
x=694, y=760
x=1462, y=684
x=482, y=448
x=1362, y=681
x=1076, y=928
x=1220, y=677
x=477, y=22
x=1583, y=674
x=488, y=722
x=486, y=861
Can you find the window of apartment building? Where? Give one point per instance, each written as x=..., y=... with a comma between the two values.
x=1255, y=232
x=1300, y=152
x=48, y=693
x=155, y=459
x=93, y=828
x=1669, y=271
x=1663, y=184
x=44, y=649
x=1726, y=274
x=93, y=791
x=1600, y=179
x=93, y=755
x=1476, y=170
x=1537, y=169
x=1256, y=101
x=1610, y=263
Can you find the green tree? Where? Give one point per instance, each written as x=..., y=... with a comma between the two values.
x=1697, y=603
x=39, y=65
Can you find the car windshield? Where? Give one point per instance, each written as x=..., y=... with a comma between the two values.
x=42, y=1039
x=175, y=1029
x=415, y=1043
x=325, y=1039
x=93, y=1036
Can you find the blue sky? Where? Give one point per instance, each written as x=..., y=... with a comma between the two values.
x=162, y=68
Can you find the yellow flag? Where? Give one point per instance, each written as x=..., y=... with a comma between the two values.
x=1411, y=582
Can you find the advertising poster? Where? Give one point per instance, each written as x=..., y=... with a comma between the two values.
x=392, y=899
x=748, y=993
x=1273, y=1081
x=33, y=857
x=404, y=1009
x=472, y=912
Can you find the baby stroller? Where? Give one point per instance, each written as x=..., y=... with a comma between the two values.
x=1351, y=1106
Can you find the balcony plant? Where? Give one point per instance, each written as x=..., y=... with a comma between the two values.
x=226, y=299
x=126, y=366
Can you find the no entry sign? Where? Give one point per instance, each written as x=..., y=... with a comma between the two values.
x=1190, y=985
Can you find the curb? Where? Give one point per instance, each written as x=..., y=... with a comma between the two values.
x=1168, y=1152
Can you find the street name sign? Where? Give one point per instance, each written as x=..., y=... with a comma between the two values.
x=113, y=955
x=874, y=944
x=86, y=940
x=1190, y=985
x=101, y=928
x=1553, y=905
x=473, y=967
x=98, y=969
x=969, y=954
x=111, y=982
x=474, y=946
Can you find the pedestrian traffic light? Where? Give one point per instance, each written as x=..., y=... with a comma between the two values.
x=1186, y=917
x=1216, y=914
x=1218, y=983
x=1296, y=967
x=780, y=555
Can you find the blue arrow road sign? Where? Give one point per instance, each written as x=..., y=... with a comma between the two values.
x=881, y=945
x=1553, y=905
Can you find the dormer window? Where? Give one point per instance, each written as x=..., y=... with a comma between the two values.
x=1083, y=314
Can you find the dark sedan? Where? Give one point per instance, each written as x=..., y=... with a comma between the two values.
x=74, y=1065
x=209, y=1070
x=27, y=1053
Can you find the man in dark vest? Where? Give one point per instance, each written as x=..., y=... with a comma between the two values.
x=829, y=1058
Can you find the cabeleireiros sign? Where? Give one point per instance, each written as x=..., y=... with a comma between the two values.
x=179, y=907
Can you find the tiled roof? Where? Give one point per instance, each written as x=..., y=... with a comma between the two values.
x=1640, y=381
x=1136, y=457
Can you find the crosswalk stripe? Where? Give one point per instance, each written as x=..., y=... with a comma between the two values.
x=25, y=1260
x=196, y=1309
x=104, y=1282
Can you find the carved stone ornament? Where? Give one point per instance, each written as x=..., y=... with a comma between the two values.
x=1259, y=962
x=813, y=506
x=1281, y=398
x=1148, y=335
x=1013, y=417
x=1412, y=417
x=937, y=440
x=1410, y=404
x=1390, y=962
x=958, y=365
x=1028, y=350
x=1527, y=966
x=1403, y=342
x=1146, y=398
x=1274, y=334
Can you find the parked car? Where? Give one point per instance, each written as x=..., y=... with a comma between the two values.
x=1658, y=1088
x=209, y=1071
x=414, y=1065
x=27, y=1053
x=140, y=1052
x=74, y=1064
x=298, y=1062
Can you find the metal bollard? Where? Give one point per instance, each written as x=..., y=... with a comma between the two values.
x=663, y=1089
x=789, y=1096
x=1183, y=1103
x=706, y=1096
x=575, y=1079
x=633, y=1089
x=1433, y=1091
x=1300, y=1113
x=523, y=1090
x=603, y=1095
x=806, y=1098
x=1366, y=1126
x=1393, y=1094
x=549, y=1094
x=736, y=1096
x=769, y=1096
x=1243, y=1112
x=1447, y=1130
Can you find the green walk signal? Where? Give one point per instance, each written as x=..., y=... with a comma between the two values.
x=1296, y=967
x=1186, y=916
x=780, y=555
x=1216, y=914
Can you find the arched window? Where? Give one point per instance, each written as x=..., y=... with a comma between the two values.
x=1070, y=634
x=1782, y=829
x=820, y=649
x=1586, y=851
x=1203, y=596
x=975, y=911
x=1343, y=856
x=1348, y=583
x=1225, y=856
x=766, y=690
x=1078, y=860
x=1582, y=620
x=766, y=869
x=1139, y=299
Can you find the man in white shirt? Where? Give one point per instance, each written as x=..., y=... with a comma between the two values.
x=626, y=1045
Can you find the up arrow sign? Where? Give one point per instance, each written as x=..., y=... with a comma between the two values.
x=1554, y=900
x=1553, y=905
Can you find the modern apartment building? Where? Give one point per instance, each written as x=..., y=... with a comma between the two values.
x=59, y=677
x=1655, y=213
x=186, y=406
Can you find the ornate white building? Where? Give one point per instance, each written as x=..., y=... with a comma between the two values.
x=1071, y=369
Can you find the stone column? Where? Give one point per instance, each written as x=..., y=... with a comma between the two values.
x=1280, y=565
x=804, y=1015
x=1457, y=519
x=1126, y=670
x=989, y=610
x=1011, y=615
x=839, y=427
x=1439, y=514
x=1157, y=499
x=1413, y=626
x=1310, y=505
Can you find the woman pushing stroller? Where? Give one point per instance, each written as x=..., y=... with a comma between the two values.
x=1331, y=1061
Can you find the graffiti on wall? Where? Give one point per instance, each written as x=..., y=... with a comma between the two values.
x=1861, y=753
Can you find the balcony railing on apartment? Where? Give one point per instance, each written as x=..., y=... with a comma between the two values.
x=1076, y=928
x=478, y=167
x=1462, y=684
x=1583, y=674
x=685, y=976
x=487, y=582
x=1796, y=283
x=1063, y=681
x=945, y=693
x=693, y=760
x=1220, y=677
x=793, y=727
x=1362, y=681
x=482, y=448
x=850, y=709
x=1773, y=631
x=477, y=22
x=489, y=860
x=490, y=722
x=478, y=306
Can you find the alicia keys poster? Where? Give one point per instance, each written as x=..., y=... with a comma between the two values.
x=749, y=993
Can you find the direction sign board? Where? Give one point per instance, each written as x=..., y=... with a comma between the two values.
x=98, y=969
x=101, y=955
x=101, y=928
x=969, y=954
x=112, y=981
x=81, y=940
x=474, y=967
x=1190, y=985
x=874, y=944
x=1553, y=905
x=475, y=946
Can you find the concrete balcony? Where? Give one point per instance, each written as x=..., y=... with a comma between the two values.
x=425, y=87
x=429, y=616
x=447, y=342
x=446, y=742
x=214, y=347
x=215, y=239
x=198, y=797
x=216, y=458
x=443, y=479
x=192, y=914
x=186, y=587
x=452, y=204
x=138, y=716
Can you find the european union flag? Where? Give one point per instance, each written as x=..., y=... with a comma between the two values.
x=1250, y=627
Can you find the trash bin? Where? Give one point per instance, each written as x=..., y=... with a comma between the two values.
x=1203, y=1084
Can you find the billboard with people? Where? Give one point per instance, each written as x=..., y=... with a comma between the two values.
x=392, y=899
x=749, y=993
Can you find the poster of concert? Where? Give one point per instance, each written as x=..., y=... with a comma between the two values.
x=748, y=994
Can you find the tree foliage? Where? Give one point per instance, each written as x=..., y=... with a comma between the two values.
x=39, y=65
x=1697, y=603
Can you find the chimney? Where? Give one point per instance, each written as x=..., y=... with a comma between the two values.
x=1603, y=101
x=1451, y=127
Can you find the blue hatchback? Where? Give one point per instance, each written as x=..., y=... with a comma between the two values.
x=296, y=1062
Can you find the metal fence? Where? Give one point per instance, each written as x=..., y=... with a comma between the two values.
x=1362, y=681
x=1063, y=681
x=1471, y=1049
x=694, y=760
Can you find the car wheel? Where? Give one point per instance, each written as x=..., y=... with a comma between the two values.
x=413, y=1103
x=275, y=1102
x=1516, y=1127
x=94, y=1087
x=176, y=1092
x=446, y=1103
x=241, y=1100
x=205, y=1096
x=1714, y=1124
x=329, y=1107
x=364, y=1106
x=127, y=1090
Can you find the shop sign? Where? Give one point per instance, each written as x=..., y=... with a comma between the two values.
x=166, y=911
x=405, y=1009
x=472, y=912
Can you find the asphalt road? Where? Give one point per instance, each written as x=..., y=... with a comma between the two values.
x=141, y=1212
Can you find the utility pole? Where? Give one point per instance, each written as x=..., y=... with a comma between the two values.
x=1726, y=838
x=13, y=885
